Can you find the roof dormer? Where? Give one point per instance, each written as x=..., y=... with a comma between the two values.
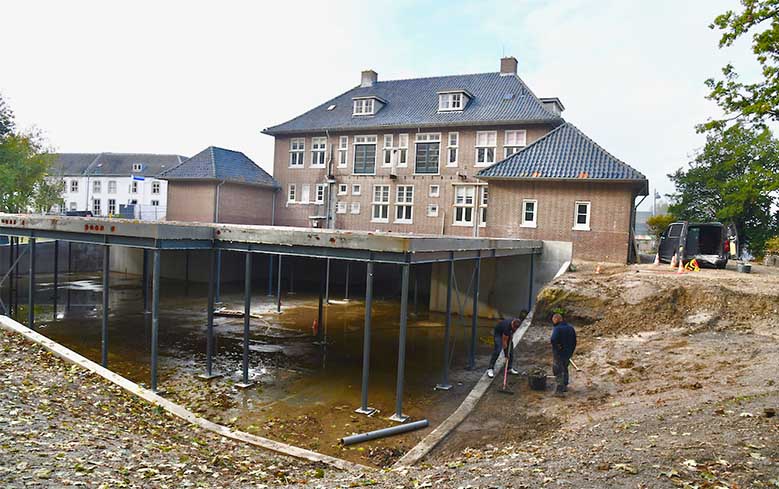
x=453, y=100
x=368, y=105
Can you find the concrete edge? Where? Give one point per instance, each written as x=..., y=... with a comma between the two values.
x=421, y=449
x=175, y=409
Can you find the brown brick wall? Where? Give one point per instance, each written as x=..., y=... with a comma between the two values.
x=190, y=201
x=245, y=204
x=610, y=208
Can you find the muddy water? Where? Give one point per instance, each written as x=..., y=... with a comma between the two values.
x=305, y=392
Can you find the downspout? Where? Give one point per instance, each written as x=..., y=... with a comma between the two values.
x=330, y=180
x=216, y=202
x=273, y=207
x=633, y=246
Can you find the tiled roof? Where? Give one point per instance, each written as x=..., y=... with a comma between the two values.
x=496, y=99
x=220, y=164
x=112, y=164
x=564, y=153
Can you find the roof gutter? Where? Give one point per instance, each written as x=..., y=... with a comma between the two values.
x=644, y=181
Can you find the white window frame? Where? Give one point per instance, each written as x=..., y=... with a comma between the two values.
x=432, y=210
x=319, y=195
x=513, y=141
x=340, y=207
x=112, y=186
x=451, y=101
x=111, y=207
x=155, y=203
x=134, y=187
x=74, y=186
x=97, y=207
x=452, y=147
x=356, y=189
x=156, y=187
x=484, y=196
x=403, y=149
x=386, y=153
x=428, y=137
x=363, y=106
x=292, y=193
x=363, y=140
x=482, y=147
x=525, y=223
x=343, y=189
x=576, y=225
x=305, y=193
x=464, y=204
x=318, y=150
x=137, y=167
x=343, y=151
x=434, y=190
x=297, y=152
x=355, y=208
x=381, y=204
x=97, y=186
x=404, y=203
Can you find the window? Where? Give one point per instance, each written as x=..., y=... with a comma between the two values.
x=73, y=186
x=134, y=202
x=428, y=150
x=292, y=192
x=73, y=206
x=529, y=213
x=435, y=191
x=483, y=207
x=432, y=210
x=450, y=101
x=463, y=205
x=97, y=186
x=356, y=189
x=134, y=187
x=581, y=218
x=404, y=204
x=318, y=147
x=137, y=167
x=320, y=193
x=355, y=207
x=365, y=155
x=305, y=193
x=343, y=189
x=111, y=207
x=363, y=106
x=454, y=140
x=403, y=149
x=388, y=140
x=343, y=151
x=96, y=207
x=155, y=187
x=112, y=186
x=380, y=203
x=340, y=207
x=155, y=203
x=514, y=141
x=297, y=147
x=485, y=147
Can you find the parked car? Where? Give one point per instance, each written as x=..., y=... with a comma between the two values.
x=79, y=213
x=710, y=243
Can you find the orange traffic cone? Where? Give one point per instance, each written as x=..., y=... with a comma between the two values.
x=657, y=258
x=681, y=267
x=674, y=262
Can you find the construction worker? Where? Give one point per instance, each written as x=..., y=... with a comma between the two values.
x=502, y=333
x=563, y=345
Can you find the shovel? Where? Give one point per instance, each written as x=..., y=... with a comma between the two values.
x=505, y=389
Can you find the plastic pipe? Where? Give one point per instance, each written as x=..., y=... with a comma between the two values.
x=393, y=430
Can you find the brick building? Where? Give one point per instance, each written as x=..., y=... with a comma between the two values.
x=417, y=156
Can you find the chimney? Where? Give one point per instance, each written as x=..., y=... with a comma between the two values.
x=508, y=66
x=369, y=78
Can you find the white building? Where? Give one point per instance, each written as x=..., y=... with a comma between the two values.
x=114, y=183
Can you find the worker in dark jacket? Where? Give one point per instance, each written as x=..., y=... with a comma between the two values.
x=563, y=346
x=502, y=334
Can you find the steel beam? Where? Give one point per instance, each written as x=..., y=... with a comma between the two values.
x=155, y=317
x=366, y=343
x=445, y=385
x=210, y=318
x=106, y=290
x=475, y=315
x=247, y=310
x=31, y=287
x=56, y=279
x=399, y=416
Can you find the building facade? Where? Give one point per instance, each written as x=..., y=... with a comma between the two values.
x=420, y=156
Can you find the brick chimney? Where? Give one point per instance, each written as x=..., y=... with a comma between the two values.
x=369, y=78
x=508, y=65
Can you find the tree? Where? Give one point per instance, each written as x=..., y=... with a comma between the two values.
x=734, y=179
x=756, y=102
x=24, y=165
x=659, y=223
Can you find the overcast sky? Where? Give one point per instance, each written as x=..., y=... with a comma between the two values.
x=176, y=77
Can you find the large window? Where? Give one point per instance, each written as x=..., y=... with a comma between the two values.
x=381, y=198
x=155, y=187
x=450, y=101
x=483, y=207
x=387, y=158
x=97, y=186
x=134, y=187
x=112, y=186
x=486, y=142
x=320, y=193
x=292, y=193
x=363, y=106
x=403, y=149
x=111, y=207
x=581, y=218
x=404, y=204
x=365, y=155
x=428, y=151
x=318, y=147
x=453, y=149
x=297, y=148
x=96, y=207
x=514, y=141
x=529, y=213
x=343, y=151
x=463, y=205
x=73, y=186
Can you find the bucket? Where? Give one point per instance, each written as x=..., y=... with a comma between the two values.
x=537, y=379
x=744, y=268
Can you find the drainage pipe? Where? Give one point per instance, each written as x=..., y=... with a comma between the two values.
x=393, y=430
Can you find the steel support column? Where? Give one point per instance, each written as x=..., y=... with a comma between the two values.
x=278, y=288
x=10, y=277
x=399, y=416
x=475, y=315
x=346, y=288
x=270, y=275
x=530, y=284
x=247, y=310
x=106, y=289
x=327, y=283
x=56, y=278
x=366, y=343
x=445, y=385
x=70, y=268
x=31, y=286
x=145, y=281
x=17, y=273
x=155, y=317
x=320, y=327
x=210, y=317
x=218, y=279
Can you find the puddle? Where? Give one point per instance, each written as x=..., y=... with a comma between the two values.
x=305, y=393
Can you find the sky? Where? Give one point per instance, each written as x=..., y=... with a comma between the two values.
x=179, y=76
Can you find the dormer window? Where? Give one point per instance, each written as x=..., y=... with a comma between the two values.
x=137, y=167
x=449, y=101
x=363, y=106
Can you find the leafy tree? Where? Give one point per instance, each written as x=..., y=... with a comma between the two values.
x=24, y=165
x=735, y=179
x=755, y=102
x=659, y=223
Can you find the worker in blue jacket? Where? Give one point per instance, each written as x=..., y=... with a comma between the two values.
x=563, y=345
